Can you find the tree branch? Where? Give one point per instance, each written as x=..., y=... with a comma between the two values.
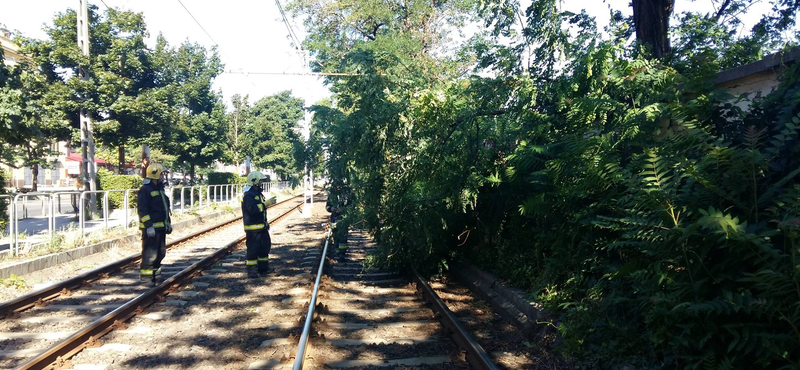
x=722, y=10
x=462, y=119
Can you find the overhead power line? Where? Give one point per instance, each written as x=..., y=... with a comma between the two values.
x=198, y=23
x=204, y=30
x=292, y=34
x=298, y=46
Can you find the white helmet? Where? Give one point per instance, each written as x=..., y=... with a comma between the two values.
x=254, y=178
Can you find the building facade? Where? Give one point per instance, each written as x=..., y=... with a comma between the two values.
x=11, y=53
x=756, y=79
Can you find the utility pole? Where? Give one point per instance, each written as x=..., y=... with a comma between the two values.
x=308, y=173
x=145, y=160
x=88, y=166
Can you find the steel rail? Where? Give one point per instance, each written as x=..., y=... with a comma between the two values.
x=29, y=300
x=476, y=356
x=303, y=345
x=59, y=354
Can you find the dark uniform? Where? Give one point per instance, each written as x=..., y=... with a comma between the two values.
x=153, y=211
x=256, y=228
x=341, y=199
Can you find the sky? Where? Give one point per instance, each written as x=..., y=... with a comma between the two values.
x=252, y=37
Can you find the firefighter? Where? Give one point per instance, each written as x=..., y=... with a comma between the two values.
x=256, y=227
x=338, y=202
x=154, y=221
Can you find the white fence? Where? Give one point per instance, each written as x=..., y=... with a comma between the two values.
x=50, y=206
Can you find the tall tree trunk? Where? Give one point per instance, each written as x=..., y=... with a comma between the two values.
x=651, y=18
x=191, y=172
x=121, y=151
x=35, y=175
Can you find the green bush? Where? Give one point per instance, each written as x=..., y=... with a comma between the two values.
x=295, y=181
x=221, y=178
x=109, y=181
x=658, y=220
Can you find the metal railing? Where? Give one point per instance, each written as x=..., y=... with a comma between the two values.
x=301, y=347
x=51, y=207
x=12, y=212
x=82, y=213
x=127, y=202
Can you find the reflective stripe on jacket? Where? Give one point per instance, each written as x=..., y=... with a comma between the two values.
x=254, y=210
x=151, y=206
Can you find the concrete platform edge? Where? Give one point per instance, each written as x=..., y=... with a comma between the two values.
x=511, y=303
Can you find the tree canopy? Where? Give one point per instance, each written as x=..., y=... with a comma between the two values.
x=608, y=177
x=161, y=96
x=272, y=134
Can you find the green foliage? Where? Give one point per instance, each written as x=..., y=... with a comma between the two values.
x=14, y=281
x=272, y=135
x=196, y=136
x=110, y=181
x=161, y=96
x=236, y=123
x=124, y=92
x=32, y=106
x=219, y=178
x=657, y=218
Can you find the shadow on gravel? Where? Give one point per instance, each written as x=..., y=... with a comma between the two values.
x=227, y=321
x=224, y=325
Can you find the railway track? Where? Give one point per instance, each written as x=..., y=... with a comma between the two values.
x=359, y=319
x=44, y=328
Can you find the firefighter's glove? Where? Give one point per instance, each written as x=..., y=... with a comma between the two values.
x=151, y=232
x=168, y=229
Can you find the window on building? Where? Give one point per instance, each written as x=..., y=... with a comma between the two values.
x=27, y=177
x=56, y=175
x=40, y=179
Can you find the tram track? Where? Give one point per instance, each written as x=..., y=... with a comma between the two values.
x=46, y=327
x=65, y=287
x=365, y=319
x=360, y=318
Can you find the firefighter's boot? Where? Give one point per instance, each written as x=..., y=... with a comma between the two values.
x=147, y=277
x=263, y=266
x=252, y=271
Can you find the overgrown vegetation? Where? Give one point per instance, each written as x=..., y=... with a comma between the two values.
x=222, y=178
x=14, y=281
x=110, y=181
x=643, y=206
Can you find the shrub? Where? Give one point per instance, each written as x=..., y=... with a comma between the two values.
x=657, y=220
x=221, y=178
x=110, y=181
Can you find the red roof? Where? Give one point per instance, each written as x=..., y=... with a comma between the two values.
x=77, y=158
